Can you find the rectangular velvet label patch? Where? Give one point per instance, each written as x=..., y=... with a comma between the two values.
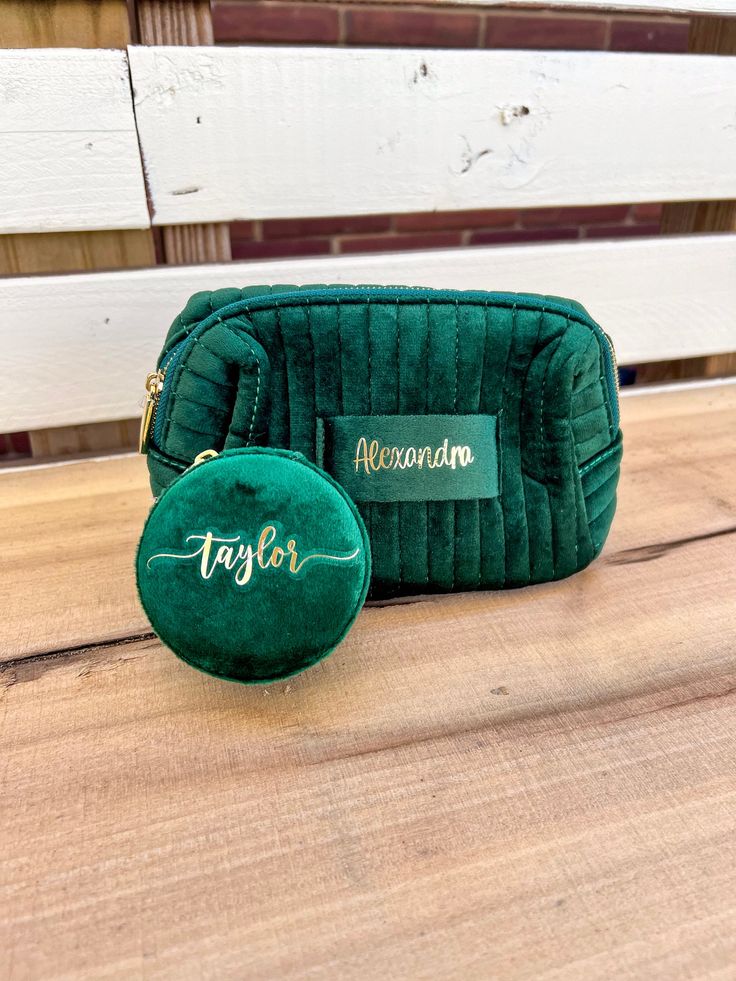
x=411, y=458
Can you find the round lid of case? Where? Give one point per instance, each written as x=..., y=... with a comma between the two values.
x=253, y=565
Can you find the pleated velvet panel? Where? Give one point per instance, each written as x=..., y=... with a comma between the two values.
x=265, y=375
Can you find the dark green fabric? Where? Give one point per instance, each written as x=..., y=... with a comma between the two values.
x=270, y=361
x=261, y=615
x=411, y=458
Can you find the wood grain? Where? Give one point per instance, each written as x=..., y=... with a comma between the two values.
x=79, y=24
x=174, y=22
x=715, y=36
x=64, y=24
x=467, y=129
x=532, y=784
x=185, y=22
x=187, y=244
x=69, y=441
x=708, y=35
x=652, y=295
x=58, y=252
x=70, y=530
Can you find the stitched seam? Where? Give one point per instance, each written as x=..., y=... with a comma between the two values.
x=339, y=359
x=179, y=397
x=247, y=339
x=602, y=382
x=543, y=442
x=370, y=364
x=503, y=402
x=199, y=432
x=454, y=394
x=590, y=494
x=588, y=412
x=611, y=502
x=546, y=458
x=481, y=506
x=454, y=409
x=314, y=356
x=592, y=464
x=426, y=407
x=500, y=434
x=581, y=391
x=282, y=339
x=545, y=455
x=320, y=442
x=398, y=407
x=572, y=316
x=185, y=369
x=370, y=507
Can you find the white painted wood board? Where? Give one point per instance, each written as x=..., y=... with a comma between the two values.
x=69, y=157
x=77, y=348
x=259, y=132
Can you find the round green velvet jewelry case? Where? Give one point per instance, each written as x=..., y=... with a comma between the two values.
x=253, y=565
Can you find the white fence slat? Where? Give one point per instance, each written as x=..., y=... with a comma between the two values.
x=90, y=339
x=239, y=133
x=69, y=157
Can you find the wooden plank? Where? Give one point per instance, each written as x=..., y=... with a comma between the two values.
x=92, y=339
x=83, y=521
x=70, y=529
x=186, y=244
x=58, y=23
x=56, y=252
x=64, y=24
x=69, y=155
x=708, y=35
x=66, y=441
x=537, y=783
x=466, y=129
x=184, y=22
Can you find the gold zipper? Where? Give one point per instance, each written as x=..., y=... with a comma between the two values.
x=154, y=384
x=615, y=365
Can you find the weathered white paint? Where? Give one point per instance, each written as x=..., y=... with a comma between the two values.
x=76, y=348
x=69, y=157
x=233, y=133
x=634, y=391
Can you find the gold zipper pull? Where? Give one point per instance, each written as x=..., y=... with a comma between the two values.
x=203, y=456
x=154, y=384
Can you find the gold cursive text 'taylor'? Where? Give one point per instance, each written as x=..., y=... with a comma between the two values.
x=242, y=558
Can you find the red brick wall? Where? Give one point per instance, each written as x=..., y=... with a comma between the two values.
x=379, y=233
x=274, y=22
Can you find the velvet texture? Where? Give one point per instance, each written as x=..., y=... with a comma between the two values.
x=264, y=615
x=262, y=365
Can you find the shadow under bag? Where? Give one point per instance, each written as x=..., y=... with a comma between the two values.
x=478, y=433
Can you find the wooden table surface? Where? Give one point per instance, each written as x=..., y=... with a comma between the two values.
x=532, y=784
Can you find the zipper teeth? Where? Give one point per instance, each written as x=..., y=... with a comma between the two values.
x=614, y=364
x=264, y=300
x=163, y=371
x=154, y=410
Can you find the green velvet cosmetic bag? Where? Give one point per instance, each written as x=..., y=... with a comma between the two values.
x=478, y=433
